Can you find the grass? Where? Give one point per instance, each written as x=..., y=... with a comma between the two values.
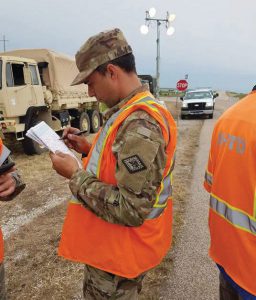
x=236, y=95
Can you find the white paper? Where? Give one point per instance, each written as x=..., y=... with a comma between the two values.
x=47, y=137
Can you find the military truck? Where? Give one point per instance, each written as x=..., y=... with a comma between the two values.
x=150, y=81
x=34, y=87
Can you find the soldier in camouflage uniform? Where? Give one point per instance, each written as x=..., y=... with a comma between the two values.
x=10, y=186
x=139, y=144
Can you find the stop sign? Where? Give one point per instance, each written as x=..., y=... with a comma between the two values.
x=182, y=85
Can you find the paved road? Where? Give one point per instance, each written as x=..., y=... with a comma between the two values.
x=194, y=275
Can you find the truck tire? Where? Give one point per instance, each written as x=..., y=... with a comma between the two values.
x=210, y=116
x=84, y=122
x=95, y=120
x=30, y=146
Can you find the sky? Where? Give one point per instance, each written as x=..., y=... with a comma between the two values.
x=214, y=41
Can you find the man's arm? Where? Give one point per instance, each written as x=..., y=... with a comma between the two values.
x=139, y=151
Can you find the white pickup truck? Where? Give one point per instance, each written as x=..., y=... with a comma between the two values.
x=198, y=102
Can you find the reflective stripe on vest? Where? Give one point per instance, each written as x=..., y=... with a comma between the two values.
x=208, y=178
x=93, y=166
x=162, y=197
x=233, y=215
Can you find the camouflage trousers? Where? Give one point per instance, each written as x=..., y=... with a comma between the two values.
x=100, y=285
x=2, y=283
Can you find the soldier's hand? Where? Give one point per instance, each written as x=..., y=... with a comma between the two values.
x=78, y=143
x=7, y=183
x=64, y=164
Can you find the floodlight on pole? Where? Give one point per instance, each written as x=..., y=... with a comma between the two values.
x=144, y=29
x=169, y=30
x=152, y=12
x=171, y=17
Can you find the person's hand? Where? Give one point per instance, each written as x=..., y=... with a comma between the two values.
x=64, y=164
x=7, y=183
x=78, y=143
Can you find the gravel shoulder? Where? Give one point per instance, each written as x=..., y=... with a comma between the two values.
x=194, y=275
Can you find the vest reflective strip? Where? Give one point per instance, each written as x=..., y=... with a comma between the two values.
x=254, y=205
x=232, y=215
x=162, y=197
x=74, y=200
x=208, y=178
x=165, y=191
x=93, y=165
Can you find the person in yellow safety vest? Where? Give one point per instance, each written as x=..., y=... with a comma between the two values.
x=230, y=179
x=119, y=220
x=10, y=186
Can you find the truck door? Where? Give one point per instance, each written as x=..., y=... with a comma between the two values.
x=18, y=87
x=36, y=86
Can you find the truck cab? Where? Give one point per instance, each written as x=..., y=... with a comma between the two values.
x=20, y=88
x=150, y=81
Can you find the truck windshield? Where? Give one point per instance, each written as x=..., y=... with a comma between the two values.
x=197, y=95
x=1, y=74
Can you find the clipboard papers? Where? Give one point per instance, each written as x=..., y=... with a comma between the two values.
x=45, y=136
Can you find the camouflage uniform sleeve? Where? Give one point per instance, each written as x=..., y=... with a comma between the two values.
x=139, y=149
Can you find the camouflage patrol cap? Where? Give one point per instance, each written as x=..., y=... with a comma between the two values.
x=99, y=49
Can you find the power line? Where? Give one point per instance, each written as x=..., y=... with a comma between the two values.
x=4, y=41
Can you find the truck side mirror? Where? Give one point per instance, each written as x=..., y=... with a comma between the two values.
x=215, y=95
x=181, y=98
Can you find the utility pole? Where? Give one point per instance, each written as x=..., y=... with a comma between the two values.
x=170, y=30
x=4, y=41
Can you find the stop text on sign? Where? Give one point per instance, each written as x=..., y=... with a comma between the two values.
x=182, y=85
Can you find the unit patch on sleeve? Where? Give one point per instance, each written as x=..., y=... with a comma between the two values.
x=134, y=164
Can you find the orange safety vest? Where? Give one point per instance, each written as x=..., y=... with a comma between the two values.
x=231, y=180
x=122, y=250
x=1, y=234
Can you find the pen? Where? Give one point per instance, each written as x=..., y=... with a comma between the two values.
x=78, y=133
